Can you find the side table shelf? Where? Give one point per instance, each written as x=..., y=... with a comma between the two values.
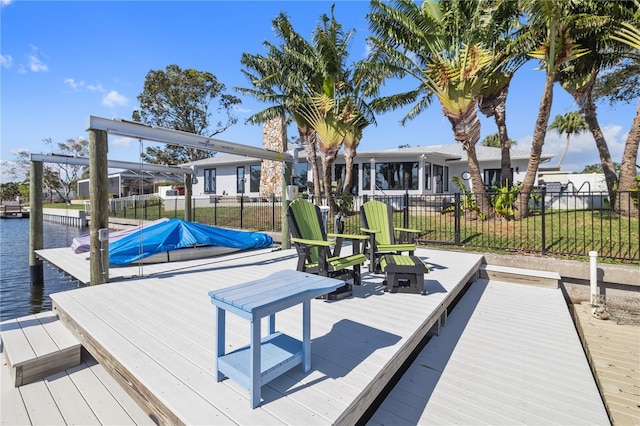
x=266, y=358
x=279, y=353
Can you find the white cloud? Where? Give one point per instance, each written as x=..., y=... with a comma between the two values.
x=122, y=142
x=582, y=148
x=113, y=98
x=96, y=88
x=6, y=61
x=75, y=85
x=35, y=63
x=241, y=110
x=367, y=50
x=17, y=150
x=4, y=3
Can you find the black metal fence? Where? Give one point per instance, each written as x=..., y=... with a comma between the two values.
x=559, y=223
x=262, y=214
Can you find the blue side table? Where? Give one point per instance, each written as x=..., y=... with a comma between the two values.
x=266, y=358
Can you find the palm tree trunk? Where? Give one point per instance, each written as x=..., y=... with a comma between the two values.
x=628, y=169
x=496, y=106
x=466, y=129
x=564, y=151
x=506, y=174
x=478, y=185
x=328, y=157
x=589, y=110
x=349, y=156
x=308, y=141
x=539, y=133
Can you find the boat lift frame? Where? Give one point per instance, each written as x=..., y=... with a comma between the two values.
x=98, y=129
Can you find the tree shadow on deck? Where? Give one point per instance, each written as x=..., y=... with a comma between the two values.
x=333, y=356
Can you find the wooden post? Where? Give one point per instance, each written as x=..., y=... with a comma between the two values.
x=99, y=194
x=285, y=238
x=188, y=184
x=36, y=238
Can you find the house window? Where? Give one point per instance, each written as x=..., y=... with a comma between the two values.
x=303, y=175
x=210, y=181
x=427, y=175
x=446, y=178
x=441, y=178
x=491, y=177
x=254, y=178
x=366, y=177
x=397, y=175
x=240, y=180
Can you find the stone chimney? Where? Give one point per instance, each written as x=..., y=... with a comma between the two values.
x=274, y=136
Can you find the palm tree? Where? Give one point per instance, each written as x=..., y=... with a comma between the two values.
x=629, y=35
x=494, y=141
x=357, y=113
x=602, y=18
x=259, y=70
x=549, y=24
x=571, y=123
x=325, y=106
x=500, y=32
x=323, y=116
x=435, y=43
x=279, y=78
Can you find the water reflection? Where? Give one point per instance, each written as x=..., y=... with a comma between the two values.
x=17, y=296
x=37, y=298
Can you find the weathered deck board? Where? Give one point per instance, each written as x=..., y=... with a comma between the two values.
x=509, y=355
x=158, y=333
x=10, y=397
x=67, y=395
x=614, y=351
x=41, y=406
x=38, y=345
x=84, y=395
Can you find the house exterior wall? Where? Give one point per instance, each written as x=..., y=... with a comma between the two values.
x=226, y=182
x=519, y=167
x=226, y=174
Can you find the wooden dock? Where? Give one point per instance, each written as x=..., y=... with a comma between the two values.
x=155, y=334
x=13, y=211
x=509, y=355
x=614, y=353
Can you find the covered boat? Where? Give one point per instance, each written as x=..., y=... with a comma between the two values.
x=81, y=244
x=177, y=234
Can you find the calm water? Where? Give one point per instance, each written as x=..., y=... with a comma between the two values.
x=17, y=296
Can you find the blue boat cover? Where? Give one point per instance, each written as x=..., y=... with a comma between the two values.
x=175, y=234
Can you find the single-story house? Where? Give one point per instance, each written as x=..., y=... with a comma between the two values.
x=418, y=170
x=132, y=182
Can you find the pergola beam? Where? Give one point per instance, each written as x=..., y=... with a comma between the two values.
x=137, y=130
x=113, y=164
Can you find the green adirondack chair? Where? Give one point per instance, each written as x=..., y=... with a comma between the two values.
x=377, y=222
x=315, y=254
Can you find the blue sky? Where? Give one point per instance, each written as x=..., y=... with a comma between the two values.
x=64, y=61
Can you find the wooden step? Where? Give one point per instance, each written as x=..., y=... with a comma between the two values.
x=520, y=275
x=36, y=346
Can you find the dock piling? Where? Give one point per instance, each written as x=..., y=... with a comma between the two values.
x=36, y=238
x=99, y=192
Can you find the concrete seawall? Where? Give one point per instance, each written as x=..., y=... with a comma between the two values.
x=69, y=217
